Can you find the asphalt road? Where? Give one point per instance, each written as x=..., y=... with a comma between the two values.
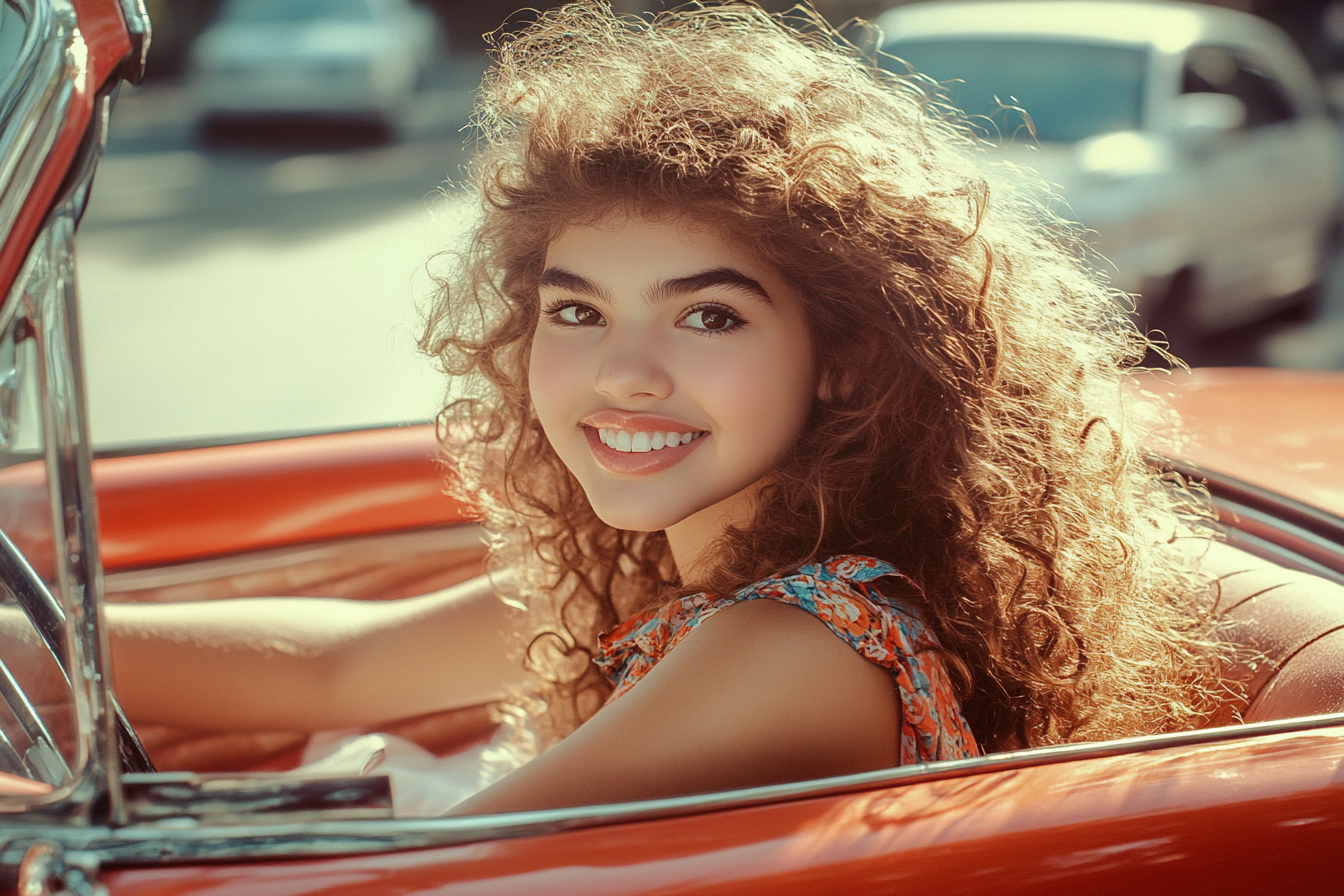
x=271, y=280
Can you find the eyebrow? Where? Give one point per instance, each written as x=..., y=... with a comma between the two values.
x=728, y=277
x=559, y=278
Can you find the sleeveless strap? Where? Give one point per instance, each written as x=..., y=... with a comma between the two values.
x=839, y=592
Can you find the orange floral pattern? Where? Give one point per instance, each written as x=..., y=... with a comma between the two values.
x=840, y=592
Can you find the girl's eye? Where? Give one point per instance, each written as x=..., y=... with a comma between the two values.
x=712, y=319
x=574, y=314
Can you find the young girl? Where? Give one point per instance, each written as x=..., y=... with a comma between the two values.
x=798, y=427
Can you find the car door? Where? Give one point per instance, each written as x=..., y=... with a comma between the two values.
x=1267, y=189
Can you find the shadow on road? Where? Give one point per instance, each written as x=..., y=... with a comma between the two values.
x=291, y=136
x=170, y=185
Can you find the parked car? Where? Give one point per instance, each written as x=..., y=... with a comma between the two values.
x=358, y=60
x=1193, y=139
x=1256, y=805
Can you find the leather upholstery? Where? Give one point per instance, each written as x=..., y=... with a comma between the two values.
x=380, y=567
x=1292, y=626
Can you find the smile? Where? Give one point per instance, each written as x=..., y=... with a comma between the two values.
x=632, y=453
x=641, y=442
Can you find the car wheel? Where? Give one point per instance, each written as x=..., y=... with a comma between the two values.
x=1305, y=305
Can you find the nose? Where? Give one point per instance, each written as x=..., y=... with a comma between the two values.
x=632, y=368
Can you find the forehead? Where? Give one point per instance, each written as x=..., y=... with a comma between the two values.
x=623, y=244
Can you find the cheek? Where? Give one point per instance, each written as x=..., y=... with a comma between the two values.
x=761, y=401
x=550, y=375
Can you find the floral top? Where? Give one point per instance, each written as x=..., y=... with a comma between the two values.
x=840, y=592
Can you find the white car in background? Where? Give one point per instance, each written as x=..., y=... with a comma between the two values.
x=360, y=60
x=1194, y=140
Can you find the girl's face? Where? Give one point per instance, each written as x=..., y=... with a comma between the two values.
x=670, y=369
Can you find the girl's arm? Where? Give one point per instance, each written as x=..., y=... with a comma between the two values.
x=760, y=693
x=302, y=663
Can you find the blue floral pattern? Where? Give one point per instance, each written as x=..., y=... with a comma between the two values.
x=841, y=593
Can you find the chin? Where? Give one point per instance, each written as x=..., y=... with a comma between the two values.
x=635, y=519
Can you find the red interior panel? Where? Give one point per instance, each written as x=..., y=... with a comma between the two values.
x=165, y=508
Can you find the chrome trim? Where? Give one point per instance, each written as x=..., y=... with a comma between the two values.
x=182, y=842
x=73, y=798
x=80, y=574
x=44, y=612
x=249, y=798
x=95, y=795
x=1252, y=540
x=1303, y=537
x=41, y=760
x=42, y=79
x=140, y=31
x=1294, y=512
x=47, y=870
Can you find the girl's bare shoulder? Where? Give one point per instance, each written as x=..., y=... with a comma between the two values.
x=759, y=693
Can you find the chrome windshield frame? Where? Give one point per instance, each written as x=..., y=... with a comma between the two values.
x=37, y=97
x=53, y=62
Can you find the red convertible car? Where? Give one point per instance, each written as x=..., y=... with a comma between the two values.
x=1253, y=802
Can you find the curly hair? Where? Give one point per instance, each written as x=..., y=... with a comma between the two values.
x=976, y=433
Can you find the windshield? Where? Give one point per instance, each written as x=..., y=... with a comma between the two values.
x=296, y=11
x=1070, y=91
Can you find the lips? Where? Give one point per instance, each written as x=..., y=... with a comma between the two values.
x=625, y=443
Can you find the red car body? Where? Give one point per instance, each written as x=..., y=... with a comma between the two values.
x=1253, y=806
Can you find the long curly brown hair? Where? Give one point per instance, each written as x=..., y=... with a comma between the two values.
x=976, y=432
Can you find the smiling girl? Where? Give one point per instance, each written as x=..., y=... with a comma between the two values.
x=805, y=444
x=798, y=427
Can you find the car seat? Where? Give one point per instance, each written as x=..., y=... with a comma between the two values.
x=1292, y=626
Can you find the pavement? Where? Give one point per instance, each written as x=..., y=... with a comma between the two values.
x=269, y=282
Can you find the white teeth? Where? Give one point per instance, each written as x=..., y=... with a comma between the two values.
x=643, y=442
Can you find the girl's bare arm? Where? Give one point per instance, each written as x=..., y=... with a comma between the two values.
x=302, y=663
x=761, y=693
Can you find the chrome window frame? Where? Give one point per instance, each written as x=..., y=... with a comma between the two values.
x=184, y=839
x=93, y=796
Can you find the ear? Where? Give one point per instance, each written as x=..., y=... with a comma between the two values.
x=831, y=386
x=824, y=390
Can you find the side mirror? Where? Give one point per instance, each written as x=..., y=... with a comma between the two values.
x=1200, y=120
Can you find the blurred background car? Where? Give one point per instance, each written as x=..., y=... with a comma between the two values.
x=1193, y=140
x=361, y=60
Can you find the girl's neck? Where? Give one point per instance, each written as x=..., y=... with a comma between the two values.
x=692, y=539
